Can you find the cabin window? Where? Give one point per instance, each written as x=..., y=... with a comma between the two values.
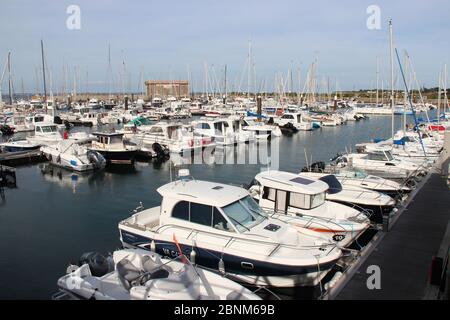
x=218, y=126
x=156, y=130
x=299, y=118
x=181, y=210
x=116, y=139
x=220, y=223
x=269, y=193
x=299, y=200
x=376, y=156
x=281, y=202
x=317, y=199
x=203, y=125
x=201, y=214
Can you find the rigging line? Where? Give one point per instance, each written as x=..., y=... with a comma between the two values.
x=410, y=102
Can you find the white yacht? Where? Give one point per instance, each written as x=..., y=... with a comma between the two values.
x=226, y=231
x=286, y=194
x=374, y=203
x=136, y=274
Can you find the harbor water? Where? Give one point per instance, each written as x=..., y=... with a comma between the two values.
x=53, y=216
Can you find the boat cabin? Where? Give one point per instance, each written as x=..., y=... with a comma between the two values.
x=209, y=205
x=285, y=191
x=108, y=140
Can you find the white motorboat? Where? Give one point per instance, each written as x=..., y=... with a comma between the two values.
x=286, y=194
x=142, y=275
x=380, y=161
x=367, y=181
x=375, y=204
x=178, y=138
x=296, y=119
x=226, y=231
x=18, y=146
x=74, y=155
x=260, y=130
x=216, y=128
x=45, y=134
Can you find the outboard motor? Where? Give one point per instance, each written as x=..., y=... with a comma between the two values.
x=57, y=120
x=6, y=130
x=98, y=263
x=97, y=159
x=161, y=152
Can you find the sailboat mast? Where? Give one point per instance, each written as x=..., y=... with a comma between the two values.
x=43, y=72
x=9, y=79
x=249, y=58
x=378, y=81
x=392, y=73
x=225, y=83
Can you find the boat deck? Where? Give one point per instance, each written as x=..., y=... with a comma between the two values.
x=405, y=253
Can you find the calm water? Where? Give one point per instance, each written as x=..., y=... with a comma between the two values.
x=53, y=216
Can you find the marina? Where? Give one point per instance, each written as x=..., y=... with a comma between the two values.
x=212, y=182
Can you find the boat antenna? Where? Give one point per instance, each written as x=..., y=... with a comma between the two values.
x=306, y=158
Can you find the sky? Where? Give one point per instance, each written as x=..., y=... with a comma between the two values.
x=180, y=39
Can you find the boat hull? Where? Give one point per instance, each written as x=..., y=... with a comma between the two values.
x=249, y=271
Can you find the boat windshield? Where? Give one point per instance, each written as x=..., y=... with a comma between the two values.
x=244, y=213
x=48, y=129
x=389, y=155
x=333, y=183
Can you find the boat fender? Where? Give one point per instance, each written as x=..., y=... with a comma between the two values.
x=221, y=266
x=153, y=246
x=98, y=263
x=192, y=256
x=48, y=156
x=58, y=159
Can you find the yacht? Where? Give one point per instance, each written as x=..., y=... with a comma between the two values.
x=227, y=231
x=112, y=147
x=74, y=155
x=286, y=194
x=375, y=204
x=136, y=274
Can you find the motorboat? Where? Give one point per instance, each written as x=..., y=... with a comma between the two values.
x=375, y=204
x=112, y=147
x=241, y=136
x=380, y=161
x=227, y=231
x=367, y=181
x=45, y=133
x=176, y=137
x=354, y=177
x=217, y=129
x=136, y=274
x=296, y=119
x=74, y=155
x=260, y=130
x=286, y=194
x=18, y=146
